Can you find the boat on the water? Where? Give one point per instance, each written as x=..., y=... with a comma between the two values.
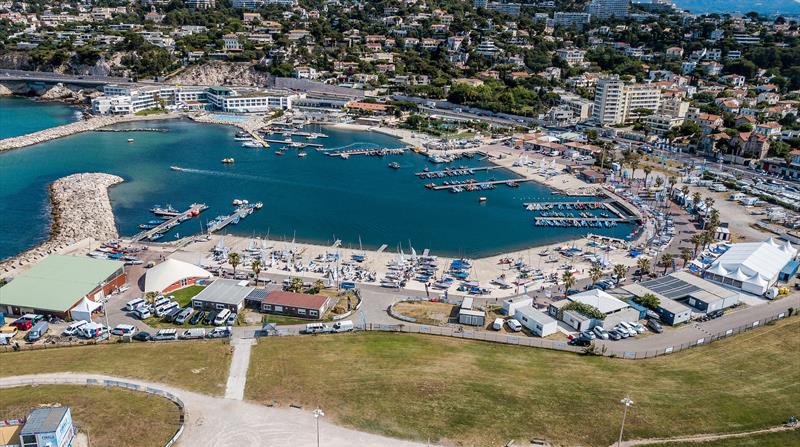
x=156, y=236
x=482, y=199
x=228, y=160
x=252, y=143
x=394, y=165
x=165, y=211
x=301, y=154
x=345, y=156
x=278, y=152
x=130, y=140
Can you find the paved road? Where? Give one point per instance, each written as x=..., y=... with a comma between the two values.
x=219, y=422
x=22, y=75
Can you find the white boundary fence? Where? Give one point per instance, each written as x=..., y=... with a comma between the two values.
x=111, y=384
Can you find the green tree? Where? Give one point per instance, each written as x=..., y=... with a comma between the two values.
x=296, y=285
x=648, y=300
x=620, y=271
x=256, y=266
x=234, y=259
x=595, y=273
x=666, y=261
x=644, y=266
x=686, y=255
x=569, y=281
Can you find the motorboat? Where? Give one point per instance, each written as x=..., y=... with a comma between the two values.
x=228, y=160
x=394, y=165
x=302, y=154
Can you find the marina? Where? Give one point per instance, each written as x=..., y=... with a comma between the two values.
x=175, y=218
x=454, y=172
x=292, y=143
x=370, y=152
x=476, y=185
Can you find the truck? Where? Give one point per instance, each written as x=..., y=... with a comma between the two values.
x=37, y=331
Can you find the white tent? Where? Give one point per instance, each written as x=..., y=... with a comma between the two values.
x=170, y=272
x=83, y=310
x=756, y=265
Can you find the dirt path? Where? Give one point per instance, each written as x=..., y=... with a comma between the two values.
x=237, y=376
x=702, y=438
x=219, y=422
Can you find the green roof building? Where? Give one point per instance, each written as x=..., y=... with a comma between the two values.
x=57, y=283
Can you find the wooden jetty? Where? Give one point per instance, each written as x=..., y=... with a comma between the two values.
x=288, y=143
x=606, y=204
x=241, y=213
x=478, y=183
x=167, y=225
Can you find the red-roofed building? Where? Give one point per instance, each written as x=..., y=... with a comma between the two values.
x=368, y=106
x=300, y=305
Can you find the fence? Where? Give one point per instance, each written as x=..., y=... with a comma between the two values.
x=111, y=384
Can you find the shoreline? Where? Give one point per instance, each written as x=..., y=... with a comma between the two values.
x=80, y=209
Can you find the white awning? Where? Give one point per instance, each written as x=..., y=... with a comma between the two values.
x=171, y=271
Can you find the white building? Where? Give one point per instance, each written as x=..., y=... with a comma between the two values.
x=572, y=56
x=511, y=305
x=751, y=267
x=606, y=9
x=616, y=102
x=536, y=321
x=615, y=310
x=574, y=19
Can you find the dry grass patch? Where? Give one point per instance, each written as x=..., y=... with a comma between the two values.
x=477, y=393
x=110, y=417
x=428, y=312
x=197, y=366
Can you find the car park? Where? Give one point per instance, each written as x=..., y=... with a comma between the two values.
x=210, y=316
x=142, y=313
x=172, y=314
x=73, y=328
x=166, y=334
x=220, y=332
x=123, y=329
x=614, y=335
x=193, y=334
x=600, y=332
x=197, y=318
x=514, y=325
x=231, y=319
x=142, y=336
x=183, y=315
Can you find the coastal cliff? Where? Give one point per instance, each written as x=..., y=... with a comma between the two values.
x=219, y=73
x=80, y=209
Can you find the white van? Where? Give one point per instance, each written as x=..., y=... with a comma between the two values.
x=315, y=328
x=222, y=316
x=142, y=313
x=343, y=326
x=629, y=327
x=514, y=325
x=134, y=304
x=498, y=324
x=194, y=333
x=165, y=308
x=123, y=329
x=73, y=328
x=160, y=301
x=166, y=334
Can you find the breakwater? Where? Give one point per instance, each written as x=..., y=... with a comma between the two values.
x=80, y=209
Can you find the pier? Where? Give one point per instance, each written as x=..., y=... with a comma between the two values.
x=294, y=133
x=295, y=143
x=454, y=172
x=571, y=220
x=240, y=213
x=371, y=152
x=173, y=222
x=477, y=184
x=135, y=129
x=606, y=205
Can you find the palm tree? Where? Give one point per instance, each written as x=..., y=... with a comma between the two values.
x=707, y=237
x=234, y=260
x=569, y=281
x=709, y=202
x=319, y=284
x=666, y=261
x=620, y=271
x=296, y=284
x=686, y=255
x=644, y=266
x=256, y=266
x=696, y=240
x=659, y=181
x=595, y=273
x=695, y=200
x=685, y=191
x=634, y=165
x=647, y=170
x=672, y=181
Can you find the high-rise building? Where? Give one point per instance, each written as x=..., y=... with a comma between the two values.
x=616, y=102
x=200, y=4
x=606, y=9
x=573, y=19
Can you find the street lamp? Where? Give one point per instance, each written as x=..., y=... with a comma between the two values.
x=627, y=402
x=318, y=414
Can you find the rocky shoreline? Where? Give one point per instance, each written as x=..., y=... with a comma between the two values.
x=80, y=209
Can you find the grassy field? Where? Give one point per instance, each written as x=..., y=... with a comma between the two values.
x=779, y=439
x=198, y=366
x=474, y=393
x=184, y=296
x=106, y=415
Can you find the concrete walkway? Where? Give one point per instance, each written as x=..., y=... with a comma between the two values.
x=703, y=438
x=219, y=422
x=237, y=377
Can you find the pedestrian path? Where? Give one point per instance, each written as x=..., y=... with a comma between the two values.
x=237, y=377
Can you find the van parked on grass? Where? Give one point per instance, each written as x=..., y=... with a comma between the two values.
x=37, y=332
x=166, y=334
x=221, y=317
x=134, y=304
x=160, y=301
x=166, y=308
x=142, y=313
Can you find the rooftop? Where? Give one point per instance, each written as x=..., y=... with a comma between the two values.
x=44, y=420
x=57, y=282
x=226, y=291
x=599, y=299
x=291, y=299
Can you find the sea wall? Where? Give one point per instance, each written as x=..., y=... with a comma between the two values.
x=80, y=209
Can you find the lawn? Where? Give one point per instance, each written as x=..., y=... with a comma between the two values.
x=778, y=439
x=109, y=416
x=477, y=393
x=197, y=365
x=184, y=296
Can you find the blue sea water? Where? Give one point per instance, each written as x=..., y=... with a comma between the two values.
x=316, y=199
x=19, y=116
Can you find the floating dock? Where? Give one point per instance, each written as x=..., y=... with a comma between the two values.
x=173, y=222
x=454, y=172
x=477, y=184
x=240, y=213
x=371, y=152
x=296, y=143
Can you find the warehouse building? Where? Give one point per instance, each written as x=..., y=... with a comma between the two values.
x=59, y=283
x=538, y=322
x=693, y=291
x=615, y=310
x=223, y=294
x=751, y=267
x=300, y=305
x=469, y=316
x=669, y=311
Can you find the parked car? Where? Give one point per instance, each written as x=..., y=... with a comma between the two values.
x=716, y=314
x=343, y=326
x=183, y=315
x=600, y=332
x=166, y=334
x=27, y=321
x=197, y=317
x=142, y=336
x=655, y=326
x=220, y=332
x=579, y=341
x=142, y=313
x=93, y=330
x=210, y=316
x=194, y=333
x=123, y=329
x=231, y=319
x=37, y=331
x=315, y=328
x=222, y=317
x=514, y=325
x=637, y=327
x=629, y=327
x=614, y=335
x=588, y=334
x=498, y=324
x=172, y=314
x=72, y=329
x=622, y=331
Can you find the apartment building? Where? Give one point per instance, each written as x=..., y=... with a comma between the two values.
x=616, y=102
x=606, y=9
